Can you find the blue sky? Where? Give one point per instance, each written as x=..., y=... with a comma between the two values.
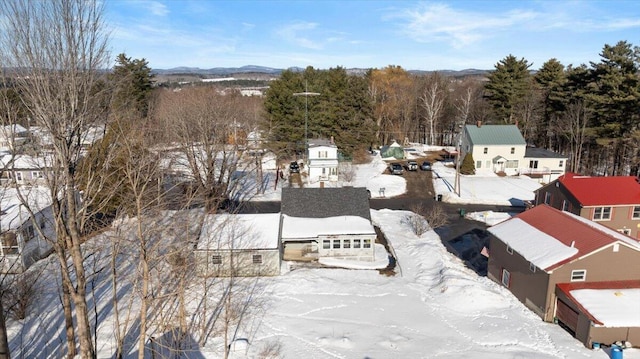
x=415, y=35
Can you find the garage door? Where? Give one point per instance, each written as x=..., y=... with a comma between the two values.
x=567, y=316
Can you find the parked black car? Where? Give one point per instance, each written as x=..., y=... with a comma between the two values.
x=395, y=169
x=294, y=167
x=425, y=166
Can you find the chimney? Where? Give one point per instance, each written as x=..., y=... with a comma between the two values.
x=516, y=123
x=479, y=123
x=332, y=140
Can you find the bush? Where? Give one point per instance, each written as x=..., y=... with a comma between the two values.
x=468, y=166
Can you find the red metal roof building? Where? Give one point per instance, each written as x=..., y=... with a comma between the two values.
x=611, y=201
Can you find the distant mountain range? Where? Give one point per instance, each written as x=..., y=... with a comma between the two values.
x=227, y=71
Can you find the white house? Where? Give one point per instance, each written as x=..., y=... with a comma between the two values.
x=321, y=223
x=547, y=166
x=499, y=148
x=24, y=169
x=239, y=245
x=12, y=136
x=20, y=242
x=323, y=160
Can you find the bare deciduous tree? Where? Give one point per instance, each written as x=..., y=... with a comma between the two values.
x=433, y=99
x=58, y=49
x=210, y=129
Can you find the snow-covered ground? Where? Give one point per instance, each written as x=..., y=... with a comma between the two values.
x=434, y=307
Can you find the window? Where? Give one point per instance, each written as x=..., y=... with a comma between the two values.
x=561, y=163
x=509, y=249
x=29, y=233
x=532, y=267
x=356, y=243
x=636, y=212
x=565, y=205
x=511, y=164
x=486, y=150
x=18, y=176
x=578, y=275
x=257, y=259
x=216, y=259
x=533, y=164
x=602, y=214
x=326, y=244
x=547, y=197
x=478, y=164
x=513, y=150
x=506, y=278
x=366, y=243
x=9, y=243
x=336, y=244
x=322, y=154
x=333, y=171
x=346, y=243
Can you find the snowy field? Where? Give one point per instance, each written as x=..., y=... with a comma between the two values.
x=434, y=307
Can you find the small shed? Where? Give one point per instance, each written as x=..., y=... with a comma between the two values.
x=242, y=245
x=394, y=150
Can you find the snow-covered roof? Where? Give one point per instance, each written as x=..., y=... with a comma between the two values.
x=240, y=231
x=534, y=245
x=611, y=307
x=22, y=162
x=299, y=227
x=14, y=213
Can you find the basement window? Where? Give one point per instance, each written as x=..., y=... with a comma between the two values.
x=257, y=259
x=216, y=259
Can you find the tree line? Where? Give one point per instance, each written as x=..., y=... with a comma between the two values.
x=587, y=112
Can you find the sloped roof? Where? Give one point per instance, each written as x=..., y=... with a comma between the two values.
x=298, y=228
x=572, y=237
x=613, y=190
x=495, y=135
x=318, y=142
x=325, y=202
x=537, y=152
x=239, y=231
x=610, y=303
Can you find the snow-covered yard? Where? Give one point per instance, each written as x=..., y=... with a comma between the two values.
x=434, y=307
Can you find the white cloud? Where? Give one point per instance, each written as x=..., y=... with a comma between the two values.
x=295, y=33
x=156, y=8
x=440, y=22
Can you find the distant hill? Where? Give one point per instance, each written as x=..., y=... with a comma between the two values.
x=253, y=69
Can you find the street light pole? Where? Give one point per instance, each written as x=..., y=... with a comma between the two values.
x=306, y=95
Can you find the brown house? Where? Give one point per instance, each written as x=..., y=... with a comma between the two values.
x=611, y=201
x=536, y=250
x=580, y=305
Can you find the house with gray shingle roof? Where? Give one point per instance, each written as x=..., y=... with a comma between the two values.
x=547, y=166
x=320, y=223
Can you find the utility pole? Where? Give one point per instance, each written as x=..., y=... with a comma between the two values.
x=458, y=147
x=306, y=95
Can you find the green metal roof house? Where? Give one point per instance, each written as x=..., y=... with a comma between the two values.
x=499, y=148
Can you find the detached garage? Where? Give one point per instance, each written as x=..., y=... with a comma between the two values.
x=600, y=312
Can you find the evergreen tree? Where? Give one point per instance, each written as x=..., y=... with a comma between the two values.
x=508, y=86
x=342, y=110
x=550, y=80
x=133, y=83
x=616, y=94
x=468, y=166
